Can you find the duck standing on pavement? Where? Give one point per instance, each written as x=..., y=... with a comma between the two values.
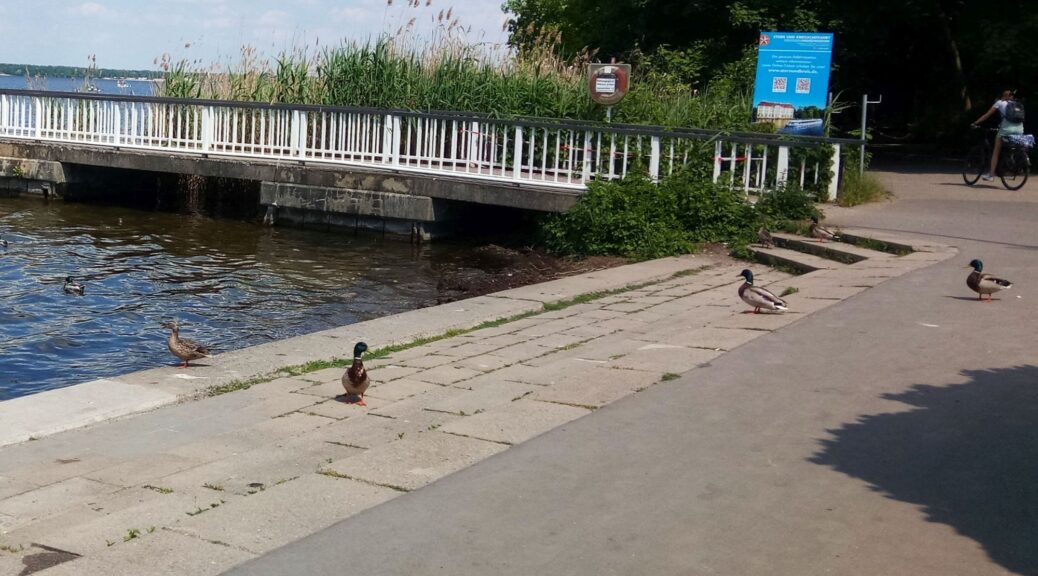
x=982, y=283
x=183, y=348
x=759, y=297
x=355, y=381
x=821, y=232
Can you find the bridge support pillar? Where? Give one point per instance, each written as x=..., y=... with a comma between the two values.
x=37, y=177
x=403, y=214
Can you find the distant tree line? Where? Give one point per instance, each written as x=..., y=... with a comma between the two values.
x=75, y=71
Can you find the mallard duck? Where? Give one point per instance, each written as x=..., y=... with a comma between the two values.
x=183, y=348
x=355, y=380
x=758, y=297
x=821, y=232
x=3, y=243
x=982, y=283
x=73, y=287
x=764, y=237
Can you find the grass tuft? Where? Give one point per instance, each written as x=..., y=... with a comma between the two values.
x=859, y=189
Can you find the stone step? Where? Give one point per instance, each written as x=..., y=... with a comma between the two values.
x=878, y=241
x=842, y=252
x=784, y=257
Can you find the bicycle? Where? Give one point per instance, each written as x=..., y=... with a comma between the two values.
x=1013, y=163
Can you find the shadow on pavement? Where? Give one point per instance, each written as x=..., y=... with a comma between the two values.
x=967, y=454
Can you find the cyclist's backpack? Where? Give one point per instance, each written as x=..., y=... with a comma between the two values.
x=1014, y=111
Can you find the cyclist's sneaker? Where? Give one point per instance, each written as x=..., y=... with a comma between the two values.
x=986, y=176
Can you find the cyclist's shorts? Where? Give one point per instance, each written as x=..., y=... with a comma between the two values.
x=1010, y=128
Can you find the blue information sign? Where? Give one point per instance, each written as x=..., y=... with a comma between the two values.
x=792, y=85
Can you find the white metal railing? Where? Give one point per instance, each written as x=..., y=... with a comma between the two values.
x=562, y=154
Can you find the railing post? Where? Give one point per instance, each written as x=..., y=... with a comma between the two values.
x=586, y=156
x=3, y=113
x=654, y=159
x=782, y=167
x=294, y=143
x=397, y=137
x=208, y=129
x=517, y=154
x=717, y=160
x=834, y=182
x=474, y=144
x=387, y=138
x=37, y=106
x=117, y=123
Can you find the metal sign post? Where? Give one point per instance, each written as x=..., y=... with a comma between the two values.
x=864, y=116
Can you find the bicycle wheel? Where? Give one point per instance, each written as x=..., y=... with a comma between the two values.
x=1015, y=168
x=974, y=166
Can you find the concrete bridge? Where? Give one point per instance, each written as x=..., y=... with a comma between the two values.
x=337, y=164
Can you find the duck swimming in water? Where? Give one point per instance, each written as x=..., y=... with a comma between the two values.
x=72, y=287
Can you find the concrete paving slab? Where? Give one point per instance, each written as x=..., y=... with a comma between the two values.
x=334, y=409
x=523, y=351
x=764, y=321
x=389, y=372
x=408, y=407
x=147, y=517
x=468, y=349
x=484, y=363
x=142, y=470
x=398, y=389
x=325, y=375
x=285, y=512
x=13, y=486
x=54, y=498
x=370, y=431
x=602, y=386
x=327, y=389
x=656, y=358
x=517, y=422
x=159, y=554
x=492, y=395
x=446, y=375
x=425, y=360
x=72, y=407
x=415, y=461
x=608, y=279
x=713, y=338
x=503, y=340
x=284, y=402
x=588, y=332
x=602, y=314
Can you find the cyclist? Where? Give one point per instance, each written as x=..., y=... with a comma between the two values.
x=1004, y=127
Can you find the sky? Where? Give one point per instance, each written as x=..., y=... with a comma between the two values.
x=132, y=34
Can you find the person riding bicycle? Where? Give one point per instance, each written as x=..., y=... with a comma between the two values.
x=1005, y=127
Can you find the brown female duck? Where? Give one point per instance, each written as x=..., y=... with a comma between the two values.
x=183, y=348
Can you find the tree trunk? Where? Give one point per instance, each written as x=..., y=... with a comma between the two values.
x=953, y=50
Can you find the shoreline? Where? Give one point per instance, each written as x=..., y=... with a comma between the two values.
x=53, y=411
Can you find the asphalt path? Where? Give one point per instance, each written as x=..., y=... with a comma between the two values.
x=893, y=433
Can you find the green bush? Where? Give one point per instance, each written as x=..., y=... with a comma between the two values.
x=788, y=203
x=860, y=188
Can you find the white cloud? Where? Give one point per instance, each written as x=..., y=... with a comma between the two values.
x=90, y=9
x=273, y=18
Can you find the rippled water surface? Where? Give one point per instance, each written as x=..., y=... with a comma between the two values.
x=230, y=284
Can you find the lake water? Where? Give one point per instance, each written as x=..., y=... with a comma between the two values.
x=229, y=283
x=133, y=87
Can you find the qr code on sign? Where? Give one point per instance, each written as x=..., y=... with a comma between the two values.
x=778, y=84
x=803, y=85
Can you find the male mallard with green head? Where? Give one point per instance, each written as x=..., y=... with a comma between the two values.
x=355, y=380
x=821, y=232
x=72, y=287
x=759, y=297
x=982, y=283
x=183, y=348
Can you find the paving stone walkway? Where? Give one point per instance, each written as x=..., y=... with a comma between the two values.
x=199, y=487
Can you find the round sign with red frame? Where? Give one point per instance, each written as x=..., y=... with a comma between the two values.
x=608, y=83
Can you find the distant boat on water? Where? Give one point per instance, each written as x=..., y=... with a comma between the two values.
x=809, y=127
